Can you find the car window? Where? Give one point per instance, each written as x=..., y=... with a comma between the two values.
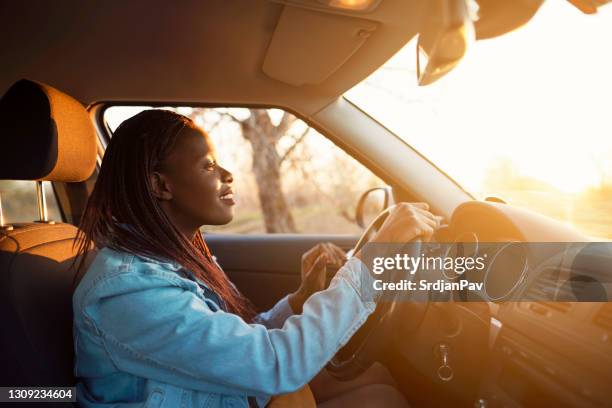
x=288, y=178
x=19, y=202
x=524, y=117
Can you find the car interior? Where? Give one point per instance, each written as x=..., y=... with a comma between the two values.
x=66, y=63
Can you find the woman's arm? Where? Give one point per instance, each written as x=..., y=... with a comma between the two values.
x=275, y=317
x=157, y=330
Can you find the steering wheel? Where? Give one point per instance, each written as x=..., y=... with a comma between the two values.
x=363, y=348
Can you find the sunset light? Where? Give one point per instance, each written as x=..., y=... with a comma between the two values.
x=524, y=116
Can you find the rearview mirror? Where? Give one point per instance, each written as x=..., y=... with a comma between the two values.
x=445, y=38
x=371, y=203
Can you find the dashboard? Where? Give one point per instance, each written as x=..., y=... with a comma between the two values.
x=539, y=333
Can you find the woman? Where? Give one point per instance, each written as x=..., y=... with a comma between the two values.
x=156, y=320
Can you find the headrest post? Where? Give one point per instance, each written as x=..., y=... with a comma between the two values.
x=3, y=226
x=42, y=203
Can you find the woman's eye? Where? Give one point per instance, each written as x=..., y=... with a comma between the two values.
x=211, y=165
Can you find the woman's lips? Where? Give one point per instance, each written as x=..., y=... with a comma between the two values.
x=228, y=198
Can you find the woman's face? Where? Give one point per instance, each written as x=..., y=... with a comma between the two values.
x=195, y=190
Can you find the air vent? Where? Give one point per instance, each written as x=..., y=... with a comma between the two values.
x=603, y=318
x=547, y=288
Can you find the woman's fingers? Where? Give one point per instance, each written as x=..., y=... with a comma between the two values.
x=341, y=255
x=309, y=258
x=310, y=255
x=429, y=218
x=337, y=257
x=425, y=225
x=317, y=251
x=313, y=253
x=426, y=230
x=425, y=212
x=316, y=274
x=407, y=221
x=320, y=261
x=421, y=211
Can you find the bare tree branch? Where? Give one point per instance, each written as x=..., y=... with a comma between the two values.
x=285, y=123
x=298, y=140
x=230, y=116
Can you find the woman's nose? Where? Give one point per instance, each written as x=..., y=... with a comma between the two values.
x=226, y=175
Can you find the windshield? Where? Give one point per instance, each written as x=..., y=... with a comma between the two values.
x=525, y=117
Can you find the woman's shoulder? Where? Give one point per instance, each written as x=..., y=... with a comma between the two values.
x=113, y=272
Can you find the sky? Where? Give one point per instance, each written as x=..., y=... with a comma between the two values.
x=539, y=97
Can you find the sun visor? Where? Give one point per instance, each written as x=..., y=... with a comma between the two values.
x=308, y=46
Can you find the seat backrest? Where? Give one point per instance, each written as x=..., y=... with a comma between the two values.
x=46, y=135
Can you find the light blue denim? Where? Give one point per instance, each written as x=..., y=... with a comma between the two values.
x=145, y=335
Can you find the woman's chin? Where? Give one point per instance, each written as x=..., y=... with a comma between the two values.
x=221, y=219
x=229, y=219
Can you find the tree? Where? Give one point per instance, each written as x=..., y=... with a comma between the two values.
x=263, y=136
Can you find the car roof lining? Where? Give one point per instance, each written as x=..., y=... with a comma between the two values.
x=201, y=52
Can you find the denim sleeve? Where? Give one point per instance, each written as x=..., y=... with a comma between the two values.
x=167, y=333
x=275, y=317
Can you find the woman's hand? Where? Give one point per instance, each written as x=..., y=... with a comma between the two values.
x=407, y=221
x=314, y=272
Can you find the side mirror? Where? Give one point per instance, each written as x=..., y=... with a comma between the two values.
x=371, y=203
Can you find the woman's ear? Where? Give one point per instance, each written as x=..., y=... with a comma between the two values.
x=160, y=186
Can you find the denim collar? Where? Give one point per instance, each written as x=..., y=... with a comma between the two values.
x=168, y=263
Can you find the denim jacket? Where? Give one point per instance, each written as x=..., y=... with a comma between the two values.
x=146, y=335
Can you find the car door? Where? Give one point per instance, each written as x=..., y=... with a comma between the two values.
x=267, y=266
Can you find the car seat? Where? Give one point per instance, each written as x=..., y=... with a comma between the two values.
x=45, y=135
